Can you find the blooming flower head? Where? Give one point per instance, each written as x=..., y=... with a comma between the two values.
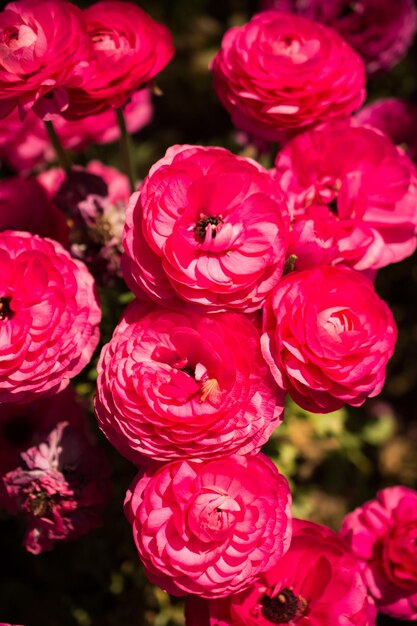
x=43, y=46
x=356, y=180
x=383, y=535
x=281, y=73
x=210, y=528
x=49, y=316
x=327, y=338
x=317, y=582
x=130, y=48
x=60, y=488
x=378, y=30
x=175, y=384
x=207, y=226
x=396, y=118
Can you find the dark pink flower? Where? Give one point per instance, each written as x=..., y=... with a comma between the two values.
x=311, y=242
x=60, y=488
x=130, y=48
x=378, y=30
x=43, y=48
x=317, y=582
x=177, y=384
x=207, y=226
x=394, y=117
x=327, y=338
x=24, y=205
x=210, y=528
x=49, y=317
x=25, y=144
x=281, y=73
x=383, y=535
x=358, y=181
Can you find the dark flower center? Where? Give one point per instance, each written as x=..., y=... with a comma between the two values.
x=5, y=310
x=282, y=608
x=332, y=206
x=188, y=369
x=201, y=227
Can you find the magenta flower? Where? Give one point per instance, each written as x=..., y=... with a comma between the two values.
x=280, y=74
x=130, y=48
x=24, y=205
x=207, y=226
x=317, y=582
x=175, y=384
x=210, y=528
x=60, y=488
x=378, y=30
x=358, y=181
x=383, y=535
x=327, y=338
x=394, y=117
x=43, y=47
x=49, y=317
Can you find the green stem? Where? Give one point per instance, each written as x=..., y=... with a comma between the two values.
x=125, y=149
x=61, y=153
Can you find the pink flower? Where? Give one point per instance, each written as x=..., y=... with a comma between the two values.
x=25, y=425
x=394, y=117
x=207, y=226
x=177, y=384
x=130, y=48
x=281, y=73
x=23, y=145
x=327, y=338
x=60, y=488
x=24, y=205
x=383, y=535
x=43, y=46
x=311, y=242
x=49, y=317
x=317, y=582
x=357, y=180
x=210, y=528
x=379, y=31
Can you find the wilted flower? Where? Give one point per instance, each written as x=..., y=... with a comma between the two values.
x=60, y=488
x=207, y=226
x=317, y=582
x=361, y=184
x=177, y=384
x=210, y=528
x=383, y=535
x=49, y=316
x=281, y=73
x=327, y=338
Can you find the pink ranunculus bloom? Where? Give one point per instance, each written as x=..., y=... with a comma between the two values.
x=357, y=180
x=25, y=144
x=25, y=425
x=210, y=528
x=378, y=30
x=382, y=534
x=281, y=73
x=207, y=226
x=49, y=317
x=95, y=200
x=396, y=118
x=24, y=205
x=60, y=488
x=44, y=49
x=328, y=337
x=130, y=49
x=174, y=384
x=311, y=242
x=318, y=582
